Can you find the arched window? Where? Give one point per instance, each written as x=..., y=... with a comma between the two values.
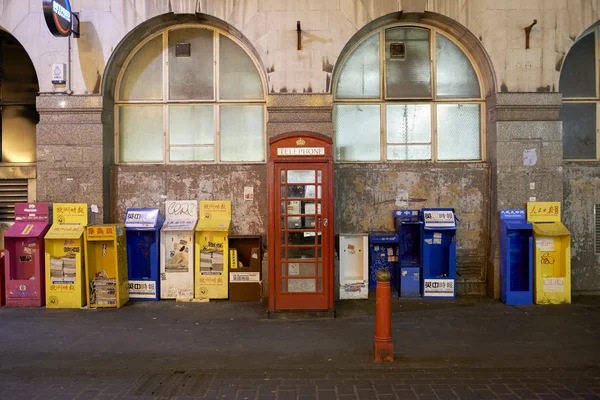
x=581, y=96
x=190, y=94
x=408, y=93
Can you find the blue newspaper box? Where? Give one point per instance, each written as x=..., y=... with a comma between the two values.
x=383, y=251
x=438, y=253
x=408, y=225
x=516, y=258
x=143, y=245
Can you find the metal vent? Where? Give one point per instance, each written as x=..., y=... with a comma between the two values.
x=597, y=228
x=11, y=191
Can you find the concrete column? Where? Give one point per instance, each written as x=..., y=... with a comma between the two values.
x=69, y=151
x=524, y=146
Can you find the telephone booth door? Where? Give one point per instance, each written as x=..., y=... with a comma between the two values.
x=301, y=223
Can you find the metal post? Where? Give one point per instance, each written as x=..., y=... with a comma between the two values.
x=382, y=344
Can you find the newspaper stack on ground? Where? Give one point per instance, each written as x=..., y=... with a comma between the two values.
x=69, y=269
x=56, y=270
x=103, y=290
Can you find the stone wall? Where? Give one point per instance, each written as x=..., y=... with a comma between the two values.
x=525, y=148
x=69, y=151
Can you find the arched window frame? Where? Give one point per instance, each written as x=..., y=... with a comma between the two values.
x=595, y=31
x=165, y=102
x=383, y=100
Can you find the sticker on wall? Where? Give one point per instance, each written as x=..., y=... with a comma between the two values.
x=529, y=157
x=402, y=198
x=249, y=193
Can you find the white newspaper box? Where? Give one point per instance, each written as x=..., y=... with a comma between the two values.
x=177, y=250
x=354, y=266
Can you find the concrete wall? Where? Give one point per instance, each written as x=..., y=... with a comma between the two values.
x=582, y=192
x=150, y=186
x=270, y=26
x=367, y=194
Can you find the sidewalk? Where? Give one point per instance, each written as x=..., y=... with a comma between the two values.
x=469, y=348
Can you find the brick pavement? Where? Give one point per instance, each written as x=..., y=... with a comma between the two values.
x=468, y=349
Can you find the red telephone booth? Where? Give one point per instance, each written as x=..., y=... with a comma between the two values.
x=301, y=222
x=2, y=297
x=24, y=256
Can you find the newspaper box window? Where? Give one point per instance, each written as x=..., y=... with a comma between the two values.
x=65, y=281
x=177, y=250
x=516, y=258
x=383, y=251
x=409, y=226
x=212, y=249
x=438, y=251
x=143, y=237
x=552, y=253
x=24, y=256
x=106, y=266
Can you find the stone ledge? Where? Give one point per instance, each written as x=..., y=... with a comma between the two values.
x=71, y=104
x=524, y=106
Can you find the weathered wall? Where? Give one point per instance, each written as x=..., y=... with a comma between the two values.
x=69, y=151
x=270, y=25
x=150, y=186
x=582, y=192
x=367, y=194
x=524, y=144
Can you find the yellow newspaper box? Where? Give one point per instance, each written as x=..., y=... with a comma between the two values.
x=212, y=250
x=106, y=266
x=64, y=256
x=552, y=254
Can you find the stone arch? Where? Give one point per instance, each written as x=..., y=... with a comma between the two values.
x=116, y=63
x=453, y=28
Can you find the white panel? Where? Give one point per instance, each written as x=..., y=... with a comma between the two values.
x=354, y=267
x=176, y=265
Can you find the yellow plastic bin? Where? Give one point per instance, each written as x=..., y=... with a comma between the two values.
x=64, y=256
x=106, y=266
x=212, y=250
x=552, y=262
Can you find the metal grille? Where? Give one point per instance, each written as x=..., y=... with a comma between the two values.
x=11, y=191
x=597, y=228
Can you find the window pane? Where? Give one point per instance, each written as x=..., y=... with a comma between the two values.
x=18, y=133
x=360, y=73
x=206, y=153
x=191, y=78
x=408, y=123
x=242, y=135
x=578, y=77
x=238, y=76
x=141, y=134
x=191, y=125
x=301, y=176
x=459, y=132
x=357, y=131
x=579, y=130
x=143, y=78
x=455, y=76
x=302, y=285
x=414, y=152
x=407, y=63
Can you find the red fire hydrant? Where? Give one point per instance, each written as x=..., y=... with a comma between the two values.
x=383, y=346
